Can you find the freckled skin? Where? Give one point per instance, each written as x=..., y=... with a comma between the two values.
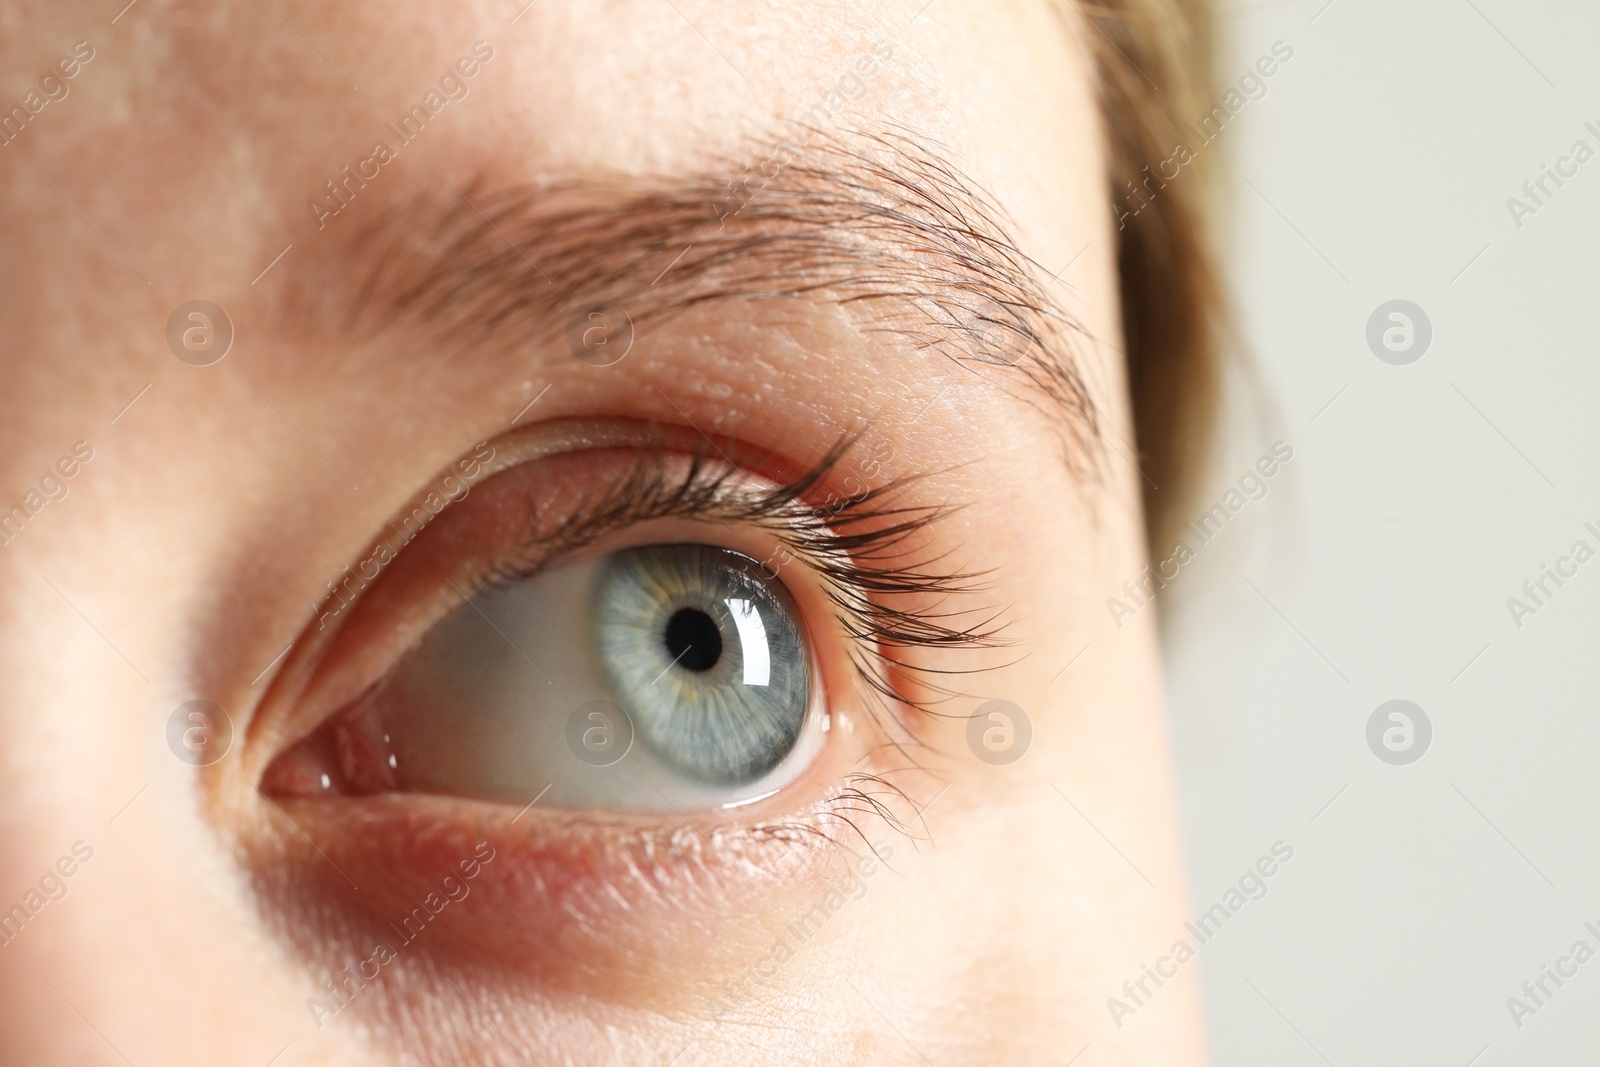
x=190, y=550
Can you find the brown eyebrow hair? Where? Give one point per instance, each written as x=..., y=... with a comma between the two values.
x=880, y=223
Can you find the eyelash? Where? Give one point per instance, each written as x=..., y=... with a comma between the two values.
x=891, y=598
x=855, y=545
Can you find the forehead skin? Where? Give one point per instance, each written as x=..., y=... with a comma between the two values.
x=180, y=166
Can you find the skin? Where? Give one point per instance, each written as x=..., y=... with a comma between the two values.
x=184, y=557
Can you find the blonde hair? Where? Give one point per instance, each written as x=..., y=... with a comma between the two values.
x=1154, y=70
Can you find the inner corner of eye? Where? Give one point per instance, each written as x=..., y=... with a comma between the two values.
x=656, y=678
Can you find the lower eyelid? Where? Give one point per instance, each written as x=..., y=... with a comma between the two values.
x=575, y=904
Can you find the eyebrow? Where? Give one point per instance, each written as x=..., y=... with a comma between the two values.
x=881, y=223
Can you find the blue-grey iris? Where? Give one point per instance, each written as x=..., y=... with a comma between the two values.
x=706, y=655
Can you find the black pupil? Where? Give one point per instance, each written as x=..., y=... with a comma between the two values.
x=693, y=639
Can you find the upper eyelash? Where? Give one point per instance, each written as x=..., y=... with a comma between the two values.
x=856, y=545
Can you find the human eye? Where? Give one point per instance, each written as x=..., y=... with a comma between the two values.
x=654, y=677
x=622, y=661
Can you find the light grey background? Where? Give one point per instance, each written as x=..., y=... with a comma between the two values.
x=1419, y=499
